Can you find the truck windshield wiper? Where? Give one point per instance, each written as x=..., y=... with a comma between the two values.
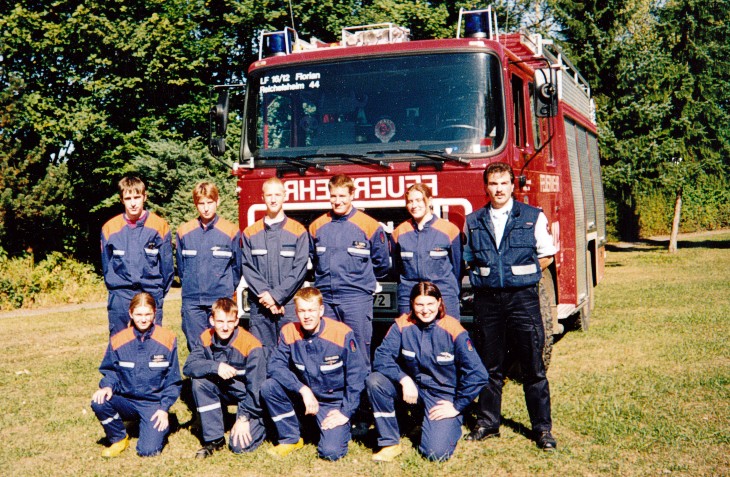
x=353, y=158
x=437, y=156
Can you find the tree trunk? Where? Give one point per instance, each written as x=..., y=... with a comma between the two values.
x=675, y=222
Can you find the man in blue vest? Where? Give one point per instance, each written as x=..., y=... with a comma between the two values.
x=508, y=246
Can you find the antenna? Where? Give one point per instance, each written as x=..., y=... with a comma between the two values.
x=291, y=13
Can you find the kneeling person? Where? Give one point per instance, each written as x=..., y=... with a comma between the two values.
x=141, y=381
x=316, y=362
x=432, y=349
x=227, y=367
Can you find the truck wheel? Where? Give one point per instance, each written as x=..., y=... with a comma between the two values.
x=546, y=289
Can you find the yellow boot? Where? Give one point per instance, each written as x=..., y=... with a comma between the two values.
x=285, y=449
x=115, y=449
x=387, y=454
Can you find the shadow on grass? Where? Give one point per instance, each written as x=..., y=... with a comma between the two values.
x=649, y=245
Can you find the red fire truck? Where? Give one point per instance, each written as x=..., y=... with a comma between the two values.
x=390, y=112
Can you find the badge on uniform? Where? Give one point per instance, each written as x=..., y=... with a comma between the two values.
x=331, y=359
x=468, y=345
x=357, y=244
x=382, y=237
x=353, y=348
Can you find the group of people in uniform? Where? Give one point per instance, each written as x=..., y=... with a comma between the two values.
x=306, y=355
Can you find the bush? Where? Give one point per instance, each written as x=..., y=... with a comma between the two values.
x=55, y=280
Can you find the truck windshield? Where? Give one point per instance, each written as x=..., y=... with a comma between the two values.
x=444, y=102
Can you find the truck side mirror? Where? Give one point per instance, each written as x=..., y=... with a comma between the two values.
x=219, y=124
x=547, y=101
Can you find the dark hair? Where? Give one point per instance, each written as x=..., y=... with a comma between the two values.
x=427, y=289
x=142, y=299
x=498, y=168
x=226, y=305
x=131, y=184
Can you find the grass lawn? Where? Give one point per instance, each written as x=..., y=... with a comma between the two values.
x=646, y=391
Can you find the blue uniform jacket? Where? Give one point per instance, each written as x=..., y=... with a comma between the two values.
x=143, y=366
x=275, y=258
x=349, y=253
x=137, y=258
x=328, y=362
x=242, y=351
x=431, y=254
x=515, y=262
x=208, y=260
x=438, y=356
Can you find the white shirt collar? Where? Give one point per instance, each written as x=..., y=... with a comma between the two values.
x=503, y=211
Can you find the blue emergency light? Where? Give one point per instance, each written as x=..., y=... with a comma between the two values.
x=276, y=43
x=476, y=24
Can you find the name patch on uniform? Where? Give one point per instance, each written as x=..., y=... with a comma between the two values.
x=353, y=348
x=157, y=358
x=331, y=359
x=357, y=244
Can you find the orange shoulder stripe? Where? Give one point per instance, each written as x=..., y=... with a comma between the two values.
x=246, y=342
x=365, y=223
x=226, y=227
x=292, y=332
x=254, y=228
x=156, y=222
x=449, y=229
x=294, y=227
x=113, y=226
x=187, y=227
x=164, y=336
x=207, y=337
x=403, y=228
x=335, y=332
x=404, y=321
x=121, y=338
x=317, y=224
x=452, y=326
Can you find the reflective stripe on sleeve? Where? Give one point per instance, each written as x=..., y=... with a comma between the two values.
x=209, y=407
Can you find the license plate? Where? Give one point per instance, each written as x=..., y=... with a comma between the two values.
x=382, y=300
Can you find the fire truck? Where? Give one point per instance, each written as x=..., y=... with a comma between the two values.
x=390, y=112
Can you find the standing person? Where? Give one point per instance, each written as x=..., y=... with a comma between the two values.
x=350, y=253
x=228, y=367
x=136, y=255
x=275, y=255
x=426, y=359
x=427, y=248
x=208, y=261
x=141, y=381
x=318, y=364
x=507, y=246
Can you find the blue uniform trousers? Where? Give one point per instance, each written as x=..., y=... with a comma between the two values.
x=266, y=326
x=357, y=313
x=510, y=318
x=280, y=403
x=210, y=397
x=438, y=439
x=118, y=310
x=194, y=322
x=117, y=409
